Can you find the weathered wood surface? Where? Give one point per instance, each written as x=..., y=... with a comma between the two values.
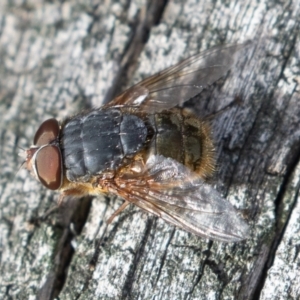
x=60, y=57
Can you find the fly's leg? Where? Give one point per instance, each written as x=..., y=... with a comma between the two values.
x=120, y=209
x=105, y=184
x=237, y=101
x=109, y=185
x=37, y=220
x=101, y=242
x=60, y=199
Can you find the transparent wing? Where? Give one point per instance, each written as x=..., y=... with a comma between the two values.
x=178, y=83
x=171, y=191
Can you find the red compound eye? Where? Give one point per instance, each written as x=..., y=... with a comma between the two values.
x=47, y=132
x=48, y=165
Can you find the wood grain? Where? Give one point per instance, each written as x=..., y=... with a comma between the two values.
x=58, y=58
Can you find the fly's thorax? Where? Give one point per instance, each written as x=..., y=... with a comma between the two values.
x=99, y=141
x=182, y=136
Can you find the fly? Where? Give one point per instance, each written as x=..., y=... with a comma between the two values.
x=145, y=149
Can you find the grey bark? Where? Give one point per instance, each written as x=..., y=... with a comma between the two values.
x=58, y=58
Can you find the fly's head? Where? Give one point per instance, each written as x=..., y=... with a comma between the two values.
x=44, y=158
